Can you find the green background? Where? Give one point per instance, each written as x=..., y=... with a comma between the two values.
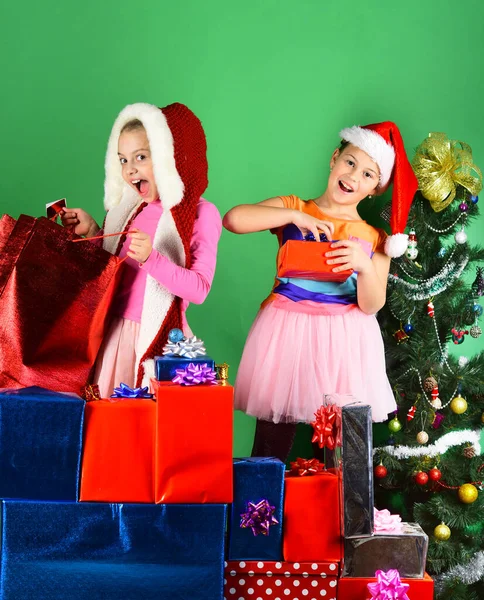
x=273, y=82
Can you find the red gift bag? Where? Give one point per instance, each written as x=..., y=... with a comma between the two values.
x=54, y=300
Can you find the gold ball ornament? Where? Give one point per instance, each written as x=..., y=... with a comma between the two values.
x=442, y=532
x=482, y=418
x=468, y=493
x=458, y=405
x=422, y=437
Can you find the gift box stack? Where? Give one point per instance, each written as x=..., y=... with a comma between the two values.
x=121, y=497
x=313, y=531
x=382, y=557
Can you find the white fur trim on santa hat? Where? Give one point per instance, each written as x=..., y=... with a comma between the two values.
x=168, y=181
x=396, y=245
x=375, y=146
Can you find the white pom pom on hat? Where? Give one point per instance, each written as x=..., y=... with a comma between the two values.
x=384, y=145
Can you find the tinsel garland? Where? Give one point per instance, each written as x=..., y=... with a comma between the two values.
x=469, y=573
x=433, y=286
x=447, y=441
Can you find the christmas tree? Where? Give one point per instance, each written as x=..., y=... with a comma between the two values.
x=429, y=467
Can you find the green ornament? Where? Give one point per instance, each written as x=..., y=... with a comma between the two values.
x=394, y=425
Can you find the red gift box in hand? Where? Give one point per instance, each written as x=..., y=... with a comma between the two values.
x=307, y=260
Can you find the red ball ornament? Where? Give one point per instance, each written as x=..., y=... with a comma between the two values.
x=435, y=474
x=381, y=471
x=421, y=478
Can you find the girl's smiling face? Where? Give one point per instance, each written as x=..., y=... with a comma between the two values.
x=136, y=165
x=354, y=175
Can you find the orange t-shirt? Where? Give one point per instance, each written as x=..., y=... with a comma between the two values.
x=372, y=238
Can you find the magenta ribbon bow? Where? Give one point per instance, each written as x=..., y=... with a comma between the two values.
x=195, y=375
x=384, y=522
x=259, y=517
x=388, y=586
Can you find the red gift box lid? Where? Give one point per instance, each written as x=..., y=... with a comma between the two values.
x=286, y=569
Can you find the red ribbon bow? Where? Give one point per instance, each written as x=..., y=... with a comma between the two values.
x=327, y=426
x=303, y=467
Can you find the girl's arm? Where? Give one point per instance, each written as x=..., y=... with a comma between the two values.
x=372, y=272
x=271, y=214
x=372, y=284
x=191, y=284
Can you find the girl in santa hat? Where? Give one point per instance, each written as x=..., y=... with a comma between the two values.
x=312, y=338
x=156, y=173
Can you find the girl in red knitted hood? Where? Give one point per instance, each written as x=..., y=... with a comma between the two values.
x=156, y=173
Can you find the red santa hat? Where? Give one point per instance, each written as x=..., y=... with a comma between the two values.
x=384, y=145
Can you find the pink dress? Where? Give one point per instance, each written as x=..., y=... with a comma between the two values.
x=311, y=339
x=116, y=359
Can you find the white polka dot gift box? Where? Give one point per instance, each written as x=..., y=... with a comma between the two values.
x=269, y=580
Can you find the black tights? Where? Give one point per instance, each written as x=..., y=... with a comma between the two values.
x=277, y=439
x=273, y=439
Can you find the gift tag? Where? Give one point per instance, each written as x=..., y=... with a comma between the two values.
x=54, y=208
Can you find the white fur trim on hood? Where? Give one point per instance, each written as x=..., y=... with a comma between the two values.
x=168, y=181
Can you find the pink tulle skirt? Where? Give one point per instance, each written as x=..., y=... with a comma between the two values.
x=116, y=359
x=291, y=360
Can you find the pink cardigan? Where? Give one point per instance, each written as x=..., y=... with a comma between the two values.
x=192, y=285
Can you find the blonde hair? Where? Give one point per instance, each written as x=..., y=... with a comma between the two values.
x=132, y=125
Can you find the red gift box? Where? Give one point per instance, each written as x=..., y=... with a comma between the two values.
x=253, y=579
x=307, y=260
x=355, y=588
x=118, y=451
x=312, y=521
x=193, y=454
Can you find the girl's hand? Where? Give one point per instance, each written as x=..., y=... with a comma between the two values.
x=78, y=221
x=308, y=224
x=348, y=254
x=140, y=247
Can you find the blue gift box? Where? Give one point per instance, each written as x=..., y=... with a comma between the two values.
x=166, y=366
x=85, y=551
x=256, y=479
x=40, y=444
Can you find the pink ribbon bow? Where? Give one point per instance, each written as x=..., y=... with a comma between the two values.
x=384, y=522
x=388, y=586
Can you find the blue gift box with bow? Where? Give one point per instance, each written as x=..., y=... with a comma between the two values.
x=64, y=550
x=40, y=444
x=257, y=480
x=166, y=366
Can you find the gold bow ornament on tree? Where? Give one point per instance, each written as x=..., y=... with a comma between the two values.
x=441, y=165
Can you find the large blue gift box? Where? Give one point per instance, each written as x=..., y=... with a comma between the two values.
x=166, y=366
x=86, y=551
x=256, y=479
x=40, y=444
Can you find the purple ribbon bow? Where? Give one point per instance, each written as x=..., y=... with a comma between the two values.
x=388, y=586
x=195, y=375
x=259, y=517
x=124, y=391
